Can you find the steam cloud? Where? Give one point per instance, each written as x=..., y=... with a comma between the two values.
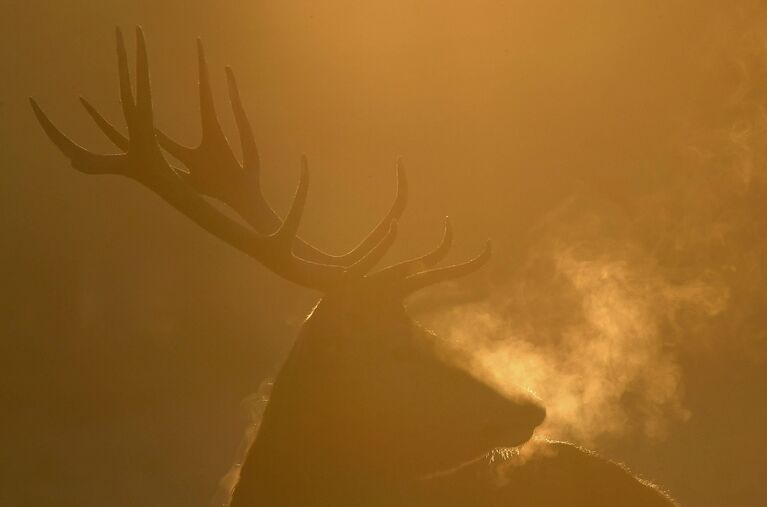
x=590, y=327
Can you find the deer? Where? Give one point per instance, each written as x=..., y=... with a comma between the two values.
x=366, y=410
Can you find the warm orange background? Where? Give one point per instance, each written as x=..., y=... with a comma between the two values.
x=629, y=134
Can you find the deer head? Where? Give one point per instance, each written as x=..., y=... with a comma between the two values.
x=364, y=389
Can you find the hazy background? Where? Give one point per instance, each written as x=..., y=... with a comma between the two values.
x=614, y=151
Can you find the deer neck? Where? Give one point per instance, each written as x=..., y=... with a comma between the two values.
x=293, y=462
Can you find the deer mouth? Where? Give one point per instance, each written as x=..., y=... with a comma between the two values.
x=473, y=446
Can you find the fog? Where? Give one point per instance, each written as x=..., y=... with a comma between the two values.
x=614, y=152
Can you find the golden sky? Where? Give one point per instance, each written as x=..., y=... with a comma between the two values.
x=614, y=152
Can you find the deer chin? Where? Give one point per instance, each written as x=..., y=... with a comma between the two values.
x=486, y=442
x=449, y=465
x=473, y=446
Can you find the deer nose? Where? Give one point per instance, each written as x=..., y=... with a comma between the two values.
x=522, y=412
x=516, y=425
x=529, y=415
x=537, y=413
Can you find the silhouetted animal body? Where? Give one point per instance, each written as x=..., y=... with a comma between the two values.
x=364, y=407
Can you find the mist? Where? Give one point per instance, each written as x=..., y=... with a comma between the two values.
x=614, y=153
x=590, y=324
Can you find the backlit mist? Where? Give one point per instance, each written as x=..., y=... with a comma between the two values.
x=615, y=152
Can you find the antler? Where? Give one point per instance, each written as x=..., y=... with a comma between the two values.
x=144, y=162
x=234, y=184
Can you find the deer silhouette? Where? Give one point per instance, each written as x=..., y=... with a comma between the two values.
x=365, y=409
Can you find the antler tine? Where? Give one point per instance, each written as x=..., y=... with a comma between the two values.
x=250, y=159
x=403, y=269
x=378, y=233
x=80, y=158
x=107, y=128
x=210, y=124
x=289, y=228
x=373, y=256
x=144, y=110
x=126, y=95
x=145, y=163
x=420, y=280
